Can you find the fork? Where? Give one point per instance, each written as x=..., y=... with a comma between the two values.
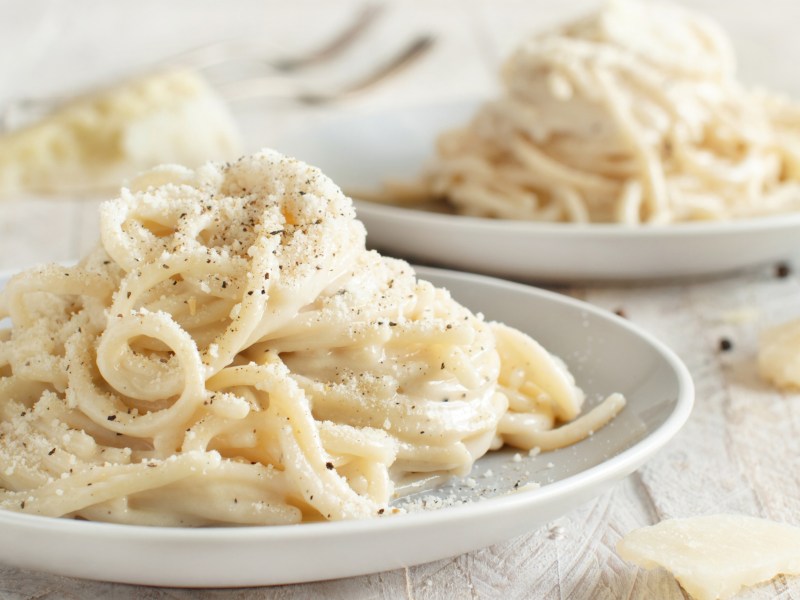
x=225, y=51
x=279, y=85
x=267, y=87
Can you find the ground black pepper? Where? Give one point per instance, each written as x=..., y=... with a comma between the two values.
x=782, y=270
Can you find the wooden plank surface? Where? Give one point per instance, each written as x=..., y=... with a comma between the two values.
x=738, y=453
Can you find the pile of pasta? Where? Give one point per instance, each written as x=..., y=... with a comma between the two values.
x=230, y=353
x=632, y=115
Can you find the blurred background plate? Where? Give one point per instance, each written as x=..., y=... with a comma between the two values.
x=360, y=151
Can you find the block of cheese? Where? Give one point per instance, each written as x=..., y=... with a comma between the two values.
x=715, y=556
x=98, y=140
x=779, y=355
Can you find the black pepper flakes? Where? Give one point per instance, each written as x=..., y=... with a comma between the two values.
x=725, y=345
x=329, y=465
x=782, y=270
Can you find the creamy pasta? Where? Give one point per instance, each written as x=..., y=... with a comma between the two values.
x=231, y=353
x=632, y=115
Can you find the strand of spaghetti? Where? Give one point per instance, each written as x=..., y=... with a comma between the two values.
x=55, y=280
x=653, y=176
x=99, y=484
x=565, y=435
x=105, y=409
x=629, y=206
x=556, y=173
x=305, y=458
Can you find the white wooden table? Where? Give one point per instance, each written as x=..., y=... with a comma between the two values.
x=740, y=452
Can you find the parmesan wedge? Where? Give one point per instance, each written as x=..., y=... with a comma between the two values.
x=98, y=140
x=714, y=556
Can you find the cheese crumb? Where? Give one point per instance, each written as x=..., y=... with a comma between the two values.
x=779, y=357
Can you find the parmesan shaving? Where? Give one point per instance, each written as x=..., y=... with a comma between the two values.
x=714, y=556
x=779, y=355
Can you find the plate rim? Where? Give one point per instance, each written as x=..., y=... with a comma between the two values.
x=779, y=221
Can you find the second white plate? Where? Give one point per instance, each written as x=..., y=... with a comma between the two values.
x=605, y=353
x=361, y=150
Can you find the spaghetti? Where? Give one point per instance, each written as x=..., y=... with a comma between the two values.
x=232, y=354
x=630, y=116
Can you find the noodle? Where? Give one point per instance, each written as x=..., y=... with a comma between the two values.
x=232, y=354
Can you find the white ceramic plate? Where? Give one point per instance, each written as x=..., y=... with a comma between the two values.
x=359, y=151
x=606, y=354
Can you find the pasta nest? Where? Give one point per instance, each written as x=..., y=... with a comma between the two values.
x=230, y=353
